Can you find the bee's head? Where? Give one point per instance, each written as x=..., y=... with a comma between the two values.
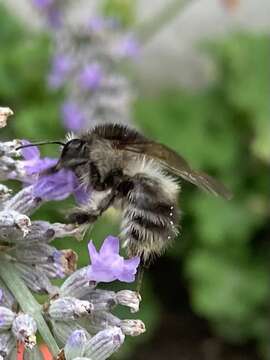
x=74, y=153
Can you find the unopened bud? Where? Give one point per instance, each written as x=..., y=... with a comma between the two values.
x=132, y=327
x=76, y=343
x=63, y=329
x=7, y=344
x=24, y=329
x=104, y=344
x=5, y=112
x=6, y=318
x=11, y=218
x=69, y=308
x=6, y=298
x=130, y=299
x=103, y=300
x=77, y=284
x=35, y=279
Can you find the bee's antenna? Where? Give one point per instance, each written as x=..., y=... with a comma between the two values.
x=40, y=143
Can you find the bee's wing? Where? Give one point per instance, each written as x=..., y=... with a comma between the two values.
x=176, y=164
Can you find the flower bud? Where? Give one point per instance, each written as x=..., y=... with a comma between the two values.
x=24, y=201
x=75, y=345
x=69, y=308
x=7, y=344
x=6, y=298
x=4, y=192
x=61, y=264
x=50, y=261
x=35, y=279
x=63, y=329
x=6, y=318
x=77, y=284
x=104, y=344
x=100, y=320
x=5, y=112
x=129, y=298
x=13, y=219
x=24, y=329
x=132, y=327
x=103, y=300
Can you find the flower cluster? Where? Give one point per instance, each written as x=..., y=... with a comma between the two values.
x=87, y=62
x=53, y=10
x=78, y=312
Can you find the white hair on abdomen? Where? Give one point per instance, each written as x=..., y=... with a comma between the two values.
x=152, y=169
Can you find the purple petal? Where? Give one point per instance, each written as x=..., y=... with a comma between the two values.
x=30, y=153
x=100, y=275
x=82, y=195
x=129, y=269
x=1, y=295
x=36, y=166
x=42, y=4
x=54, y=16
x=91, y=76
x=73, y=118
x=92, y=252
x=97, y=24
x=61, y=66
x=109, y=246
x=107, y=268
x=57, y=186
x=107, y=265
x=128, y=47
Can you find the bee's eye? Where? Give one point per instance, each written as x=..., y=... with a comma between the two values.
x=73, y=148
x=75, y=144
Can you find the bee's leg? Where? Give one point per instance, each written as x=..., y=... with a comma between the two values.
x=102, y=196
x=89, y=213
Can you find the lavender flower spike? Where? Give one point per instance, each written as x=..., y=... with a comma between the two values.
x=107, y=265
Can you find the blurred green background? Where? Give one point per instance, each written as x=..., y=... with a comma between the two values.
x=209, y=296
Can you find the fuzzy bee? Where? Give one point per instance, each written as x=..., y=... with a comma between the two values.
x=122, y=168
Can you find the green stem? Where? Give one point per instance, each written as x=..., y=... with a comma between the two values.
x=149, y=28
x=27, y=302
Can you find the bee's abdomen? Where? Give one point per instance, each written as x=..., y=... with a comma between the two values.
x=150, y=216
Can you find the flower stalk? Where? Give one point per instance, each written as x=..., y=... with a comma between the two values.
x=27, y=302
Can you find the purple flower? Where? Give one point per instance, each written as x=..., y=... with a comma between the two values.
x=59, y=186
x=91, y=76
x=43, y=4
x=73, y=118
x=107, y=265
x=61, y=66
x=128, y=47
x=56, y=186
x=33, y=164
x=98, y=24
x=52, y=11
x=54, y=17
